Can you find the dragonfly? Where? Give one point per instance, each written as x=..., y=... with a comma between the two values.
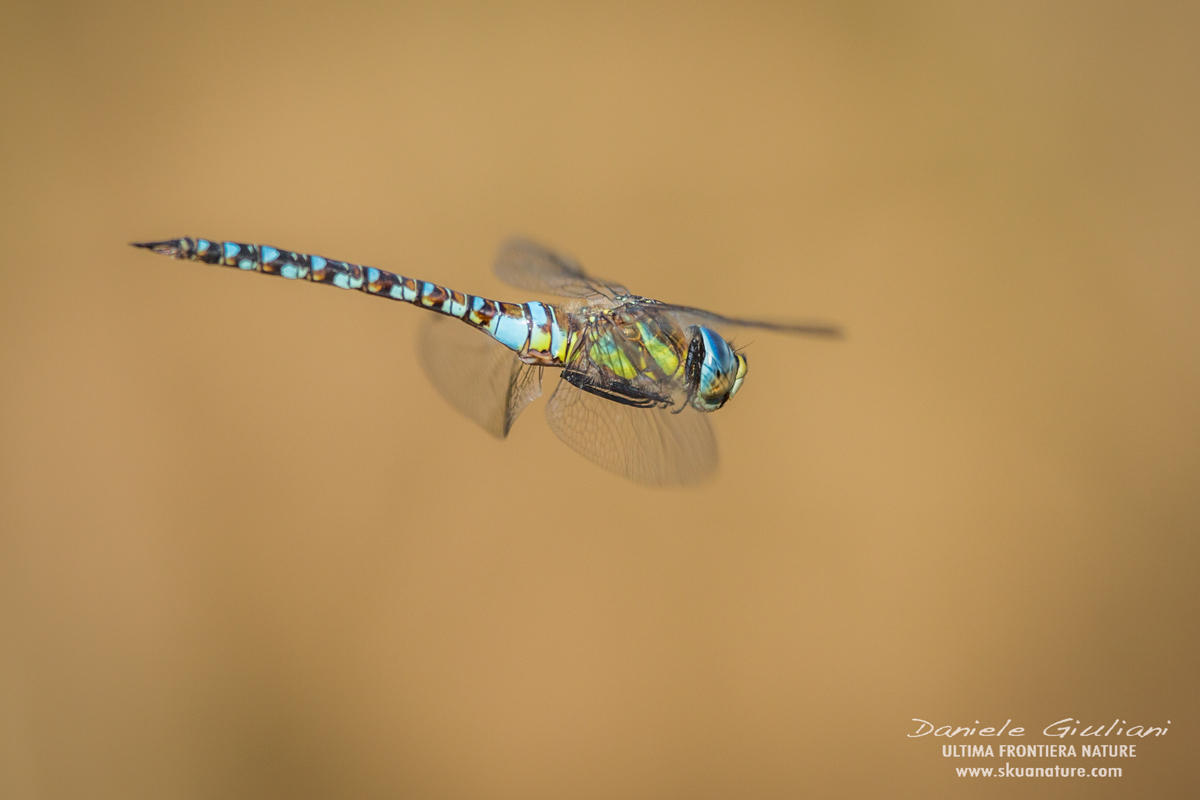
x=639, y=377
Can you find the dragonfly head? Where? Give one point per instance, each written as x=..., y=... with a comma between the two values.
x=713, y=370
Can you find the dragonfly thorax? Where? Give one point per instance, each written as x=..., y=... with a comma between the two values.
x=714, y=371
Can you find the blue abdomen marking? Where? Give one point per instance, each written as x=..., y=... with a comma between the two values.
x=511, y=327
x=556, y=336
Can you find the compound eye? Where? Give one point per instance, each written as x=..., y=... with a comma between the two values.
x=712, y=369
x=741, y=374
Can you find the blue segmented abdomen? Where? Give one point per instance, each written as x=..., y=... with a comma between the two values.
x=533, y=330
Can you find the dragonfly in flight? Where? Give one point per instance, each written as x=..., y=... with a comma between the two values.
x=639, y=376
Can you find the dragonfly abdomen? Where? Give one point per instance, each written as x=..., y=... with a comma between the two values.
x=531, y=329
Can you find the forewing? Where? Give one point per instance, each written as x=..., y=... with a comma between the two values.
x=477, y=375
x=687, y=315
x=648, y=445
x=529, y=265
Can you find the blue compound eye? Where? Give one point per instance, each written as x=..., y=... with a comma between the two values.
x=713, y=371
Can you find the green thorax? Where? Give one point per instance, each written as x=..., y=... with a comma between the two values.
x=631, y=342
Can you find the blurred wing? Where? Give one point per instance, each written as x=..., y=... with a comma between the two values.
x=529, y=265
x=475, y=374
x=648, y=445
x=686, y=315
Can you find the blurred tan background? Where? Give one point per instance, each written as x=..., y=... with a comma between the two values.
x=249, y=552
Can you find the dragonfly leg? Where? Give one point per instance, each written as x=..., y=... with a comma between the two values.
x=618, y=390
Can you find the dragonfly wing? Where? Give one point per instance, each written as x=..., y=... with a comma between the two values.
x=477, y=375
x=687, y=315
x=529, y=265
x=648, y=445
